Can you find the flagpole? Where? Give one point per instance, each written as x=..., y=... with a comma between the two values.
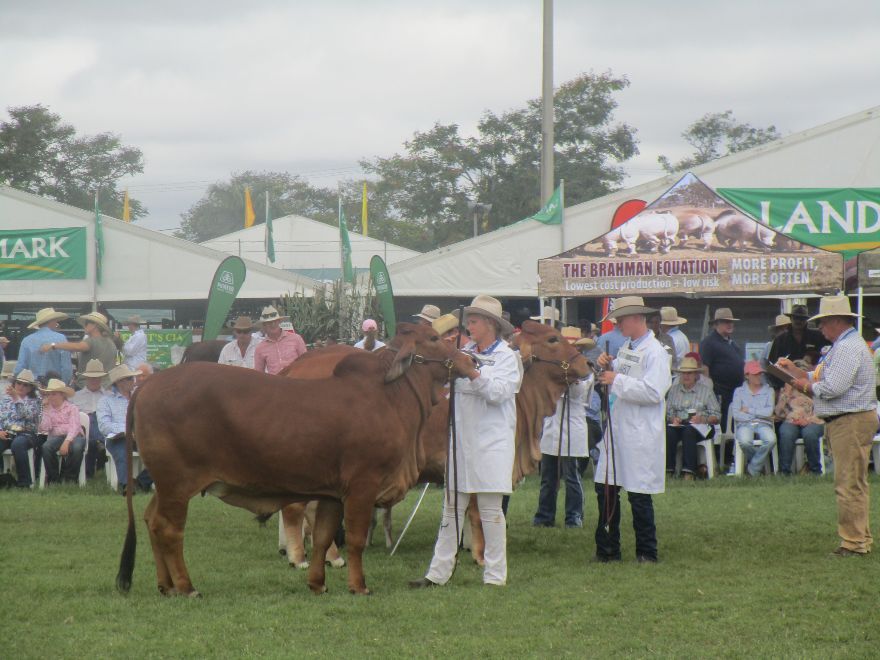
x=562, y=214
x=97, y=257
x=265, y=230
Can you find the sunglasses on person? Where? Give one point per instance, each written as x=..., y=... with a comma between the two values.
x=243, y=332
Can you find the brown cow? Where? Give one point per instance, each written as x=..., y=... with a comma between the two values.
x=260, y=442
x=204, y=351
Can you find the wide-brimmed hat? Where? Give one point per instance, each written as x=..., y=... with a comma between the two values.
x=723, y=314
x=781, y=320
x=94, y=369
x=271, y=314
x=429, y=313
x=799, y=312
x=368, y=325
x=490, y=307
x=688, y=365
x=94, y=317
x=575, y=336
x=834, y=306
x=629, y=305
x=55, y=385
x=242, y=323
x=753, y=367
x=134, y=319
x=547, y=314
x=121, y=371
x=25, y=376
x=445, y=323
x=45, y=315
x=669, y=316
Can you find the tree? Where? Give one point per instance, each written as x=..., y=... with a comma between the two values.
x=42, y=155
x=715, y=135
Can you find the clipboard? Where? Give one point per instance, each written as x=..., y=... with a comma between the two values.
x=781, y=374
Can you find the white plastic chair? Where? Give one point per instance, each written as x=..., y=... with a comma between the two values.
x=110, y=468
x=875, y=453
x=800, y=455
x=706, y=447
x=9, y=462
x=84, y=423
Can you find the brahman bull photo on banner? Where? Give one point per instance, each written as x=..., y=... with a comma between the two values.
x=690, y=241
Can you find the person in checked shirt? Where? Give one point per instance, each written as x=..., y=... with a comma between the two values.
x=278, y=348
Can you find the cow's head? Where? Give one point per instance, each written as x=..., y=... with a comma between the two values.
x=416, y=344
x=542, y=344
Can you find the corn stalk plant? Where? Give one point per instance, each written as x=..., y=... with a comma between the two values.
x=334, y=313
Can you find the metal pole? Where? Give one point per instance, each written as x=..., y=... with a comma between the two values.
x=547, y=137
x=265, y=229
x=475, y=220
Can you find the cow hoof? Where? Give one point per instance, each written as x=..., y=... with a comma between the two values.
x=302, y=565
x=194, y=594
x=319, y=590
x=360, y=592
x=167, y=591
x=339, y=562
x=282, y=552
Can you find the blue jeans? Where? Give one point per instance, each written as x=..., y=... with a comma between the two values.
x=69, y=470
x=788, y=435
x=608, y=542
x=92, y=458
x=116, y=447
x=574, y=492
x=757, y=456
x=19, y=446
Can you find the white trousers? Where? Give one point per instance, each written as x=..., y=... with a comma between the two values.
x=494, y=530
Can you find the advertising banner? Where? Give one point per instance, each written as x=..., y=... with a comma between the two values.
x=38, y=254
x=692, y=242
x=164, y=347
x=845, y=220
x=384, y=292
x=225, y=286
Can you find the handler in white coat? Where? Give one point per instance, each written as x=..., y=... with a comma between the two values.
x=637, y=381
x=485, y=423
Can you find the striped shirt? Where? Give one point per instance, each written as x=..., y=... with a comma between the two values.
x=701, y=398
x=111, y=412
x=63, y=420
x=844, y=380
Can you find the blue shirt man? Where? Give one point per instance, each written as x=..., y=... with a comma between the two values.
x=29, y=355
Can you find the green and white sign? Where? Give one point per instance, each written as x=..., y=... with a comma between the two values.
x=225, y=286
x=39, y=254
x=384, y=292
x=164, y=347
x=843, y=220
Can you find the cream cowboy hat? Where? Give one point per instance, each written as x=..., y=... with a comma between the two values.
x=134, y=319
x=429, y=313
x=834, y=306
x=45, y=315
x=781, y=320
x=490, y=307
x=445, y=323
x=688, y=365
x=574, y=335
x=669, y=316
x=629, y=305
x=547, y=314
x=121, y=371
x=94, y=317
x=25, y=376
x=94, y=369
x=242, y=323
x=723, y=314
x=271, y=314
x=56, y=385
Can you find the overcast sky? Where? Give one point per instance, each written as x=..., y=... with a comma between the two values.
x=210, y=87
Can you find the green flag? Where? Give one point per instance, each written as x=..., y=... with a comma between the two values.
x=270, y=241
x=384, y=292
x=551, y=213
x=99, y=243
x=345, y=247
x=225, y=286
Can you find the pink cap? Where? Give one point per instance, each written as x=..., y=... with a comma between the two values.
x=368, y=324
x=753, y=367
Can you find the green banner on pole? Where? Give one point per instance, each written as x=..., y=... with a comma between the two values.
x=385, y=294
x=551, y=213
x=38, y=254
x=164, y=347
x=225, y=286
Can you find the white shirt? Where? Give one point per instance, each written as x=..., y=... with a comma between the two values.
x=231, y=354
x=86, y=400
x=135, y=349
x=574, y=443
x=681, y=343
x=360, y=344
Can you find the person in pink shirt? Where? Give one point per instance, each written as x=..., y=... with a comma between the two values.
x=278, y=348
x=61, y=424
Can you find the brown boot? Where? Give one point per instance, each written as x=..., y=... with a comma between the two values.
x=687, y=476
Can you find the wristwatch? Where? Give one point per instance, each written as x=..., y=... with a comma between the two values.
x=52, y=345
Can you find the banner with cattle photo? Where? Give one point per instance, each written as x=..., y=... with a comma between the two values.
x=690, y=241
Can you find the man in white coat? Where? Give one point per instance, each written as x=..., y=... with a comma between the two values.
x=485, y=425
x=633, y=451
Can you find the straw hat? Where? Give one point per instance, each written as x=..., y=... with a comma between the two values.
x=574, y=336
x=368, y=325
x=94, y=369
x=445, y=323
x=490, y=307
x=834, y=306
x=271, y=314
x=26, y=376
x=753, y=367
x=781, y=320
x=8, y=368
x=669, y=316
x=723, y=314
x=629, y=305
x=94, y=317
x=121, y=371
x=134, y=319
x=242, y=323
x=688, y=365
x=45, y=315
x=548, y=314
x=429, y=313
x=56, y=385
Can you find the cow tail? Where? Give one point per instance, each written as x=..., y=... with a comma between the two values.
x=126, y=561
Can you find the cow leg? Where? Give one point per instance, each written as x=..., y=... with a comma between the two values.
x=166, y=524
x=386, y=520
x=163, y=575
x=327, y=519
x=358, y=511
x=478, y=541
x=332, y=557
x=292, y=517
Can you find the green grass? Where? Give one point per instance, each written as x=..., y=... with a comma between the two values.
x=744, y=571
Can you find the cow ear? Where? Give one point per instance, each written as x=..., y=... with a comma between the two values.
x=525, y=350
x=402, y=362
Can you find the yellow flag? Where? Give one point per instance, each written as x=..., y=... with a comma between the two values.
x=364, y=211
x=249, y=215
x=126, y=209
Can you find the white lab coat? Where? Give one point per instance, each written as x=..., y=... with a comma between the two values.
x=574, y=444
x=638, y=420
x=485, y=423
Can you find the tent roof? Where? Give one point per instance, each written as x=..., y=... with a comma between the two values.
x=842, y=153
x=139, y=264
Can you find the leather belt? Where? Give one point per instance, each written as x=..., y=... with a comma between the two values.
x=831, y=418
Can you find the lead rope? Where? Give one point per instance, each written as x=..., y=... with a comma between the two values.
x=564, y=416
x=454, y=440
x=610, y=503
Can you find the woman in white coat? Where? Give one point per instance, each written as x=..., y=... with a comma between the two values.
x=634, y=457
x=485, y=424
